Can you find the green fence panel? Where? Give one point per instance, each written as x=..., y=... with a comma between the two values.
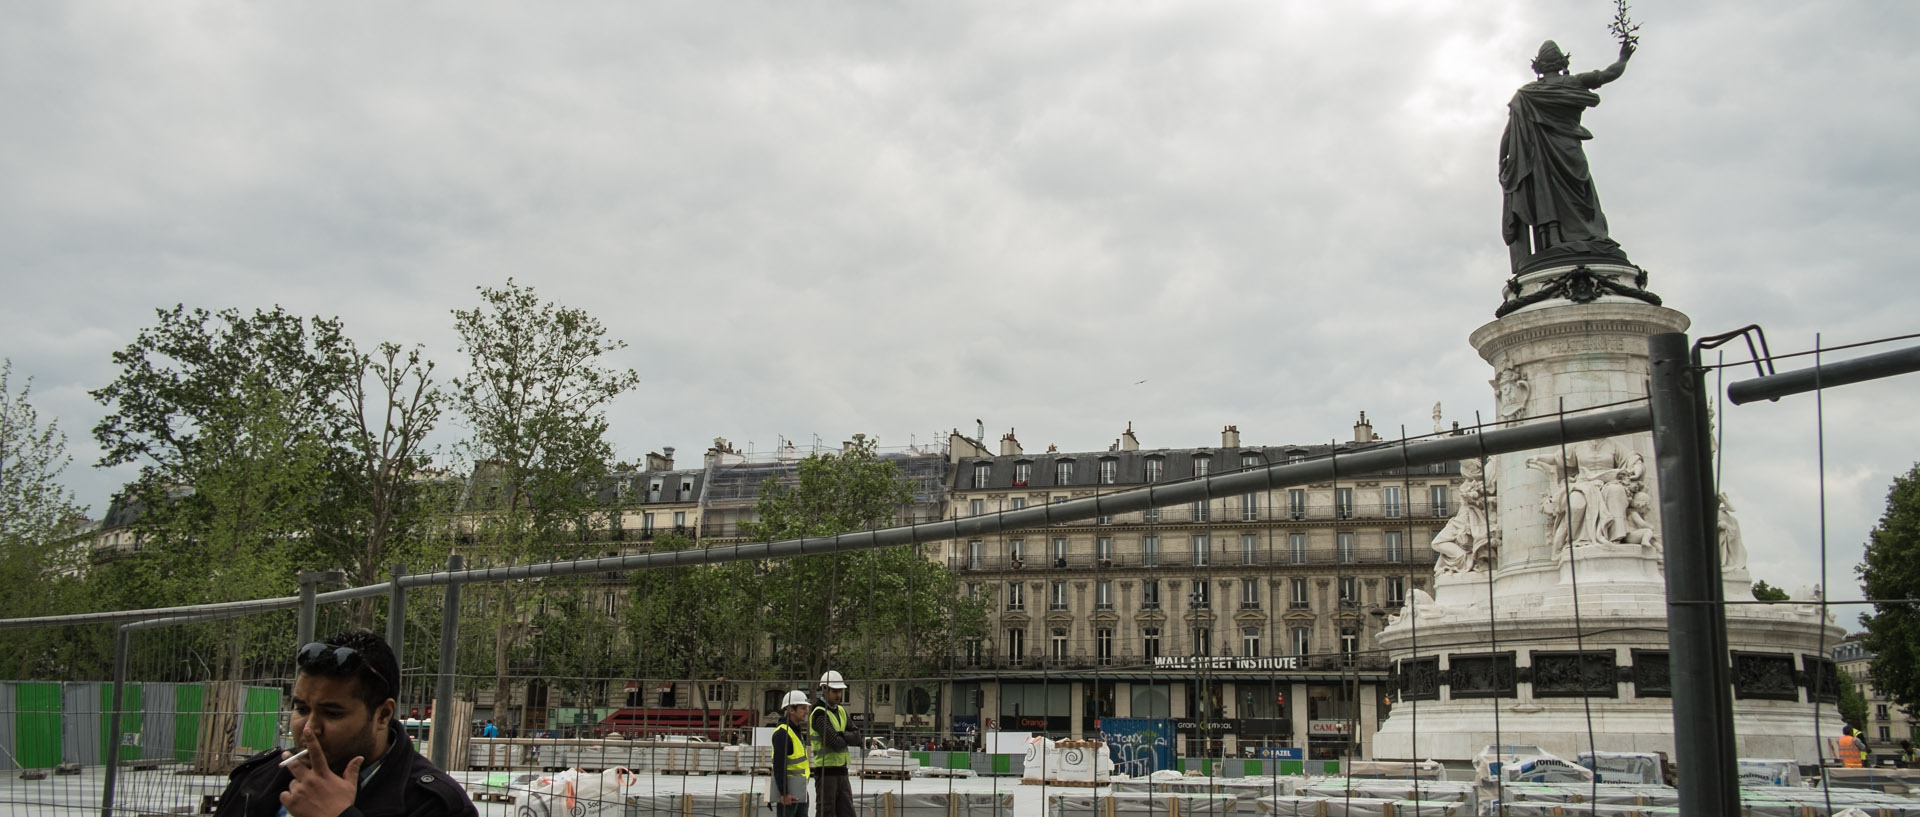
x=1293, y=767
x=260, y=720
x=188, y=701
x=132, y=721
x=36, y=725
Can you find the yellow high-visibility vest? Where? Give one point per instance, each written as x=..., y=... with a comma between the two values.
x=836, y=715
x=797, y=754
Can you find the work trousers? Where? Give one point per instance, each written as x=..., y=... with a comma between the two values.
x=834, y=793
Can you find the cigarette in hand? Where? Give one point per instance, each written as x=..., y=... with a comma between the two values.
x=289, y=761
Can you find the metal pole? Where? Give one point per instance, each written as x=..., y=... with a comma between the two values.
x=397, y=624
x=1869, y=367
x=1696, y=628
x=304, y=629
x=112, y=749
x=443, y=688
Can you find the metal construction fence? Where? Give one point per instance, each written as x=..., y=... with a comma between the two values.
x=192, y=690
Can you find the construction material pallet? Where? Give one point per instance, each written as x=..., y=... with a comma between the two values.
x=687, y=772
x=1070, y=784
x=492, y=797
x=886, y=774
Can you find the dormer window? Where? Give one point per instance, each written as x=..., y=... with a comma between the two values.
x=982, y=474
x=1202, y=465
x=1063, y=472
x=1156, y=467
x=1022, y=474
x=1109, y=470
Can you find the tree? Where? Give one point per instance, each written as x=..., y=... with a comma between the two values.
x=889, y=612
x=1891, y=571
x=1853, y=705
x=232, y=421
x=535, y=397
x=40, y=528
x=388, y=404
x=35, y=509
x=1767, y=592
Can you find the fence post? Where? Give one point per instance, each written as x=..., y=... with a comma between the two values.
x=112, y=749
x=397, y=624
x=1696, y=621
x=443, y=687
x=303, y=627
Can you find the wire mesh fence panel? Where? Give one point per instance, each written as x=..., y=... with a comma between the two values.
x=51, y=703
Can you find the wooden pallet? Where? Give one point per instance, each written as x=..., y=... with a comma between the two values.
x=492, y=797
x=935, y=771
x=1070, y=784
x=687, y=772
x=886, y=774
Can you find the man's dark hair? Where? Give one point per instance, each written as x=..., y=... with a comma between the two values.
x=371, y=666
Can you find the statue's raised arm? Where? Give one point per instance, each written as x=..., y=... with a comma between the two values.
x=1595, y=79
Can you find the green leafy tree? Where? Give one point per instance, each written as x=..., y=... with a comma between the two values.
x=231, y=420
x=1767, y=592
x=42, y=530
x=693, y=621
x=1853, y=705
x=1891, y=570
x=387, y=405
x=890, y=612
x=534, y=398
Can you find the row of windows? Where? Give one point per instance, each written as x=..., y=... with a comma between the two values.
x=1300, y=641
x=1200, y=551
x=1200, y=597
x=1063, y=469
x=1392, y=505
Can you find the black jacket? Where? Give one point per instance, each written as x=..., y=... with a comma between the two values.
x=405, y=785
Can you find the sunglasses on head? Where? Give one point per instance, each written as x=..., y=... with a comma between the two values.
x=346, y=659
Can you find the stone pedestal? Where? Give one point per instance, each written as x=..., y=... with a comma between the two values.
x=1510, y=655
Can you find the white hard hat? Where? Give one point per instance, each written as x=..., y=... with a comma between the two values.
x=833, y=679
x=793, y=698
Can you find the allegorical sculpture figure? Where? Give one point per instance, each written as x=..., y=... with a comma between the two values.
x=1551, y=209
x=1590, y=492
x=1466, y=545
x=1733, y=552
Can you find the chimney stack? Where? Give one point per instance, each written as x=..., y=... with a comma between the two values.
x=1230, y=437
x=661, y=461
x=1363, y=430
x=1009, y=445
x=1128, y=442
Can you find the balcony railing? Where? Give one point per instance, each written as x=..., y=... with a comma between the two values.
x=1280, y=557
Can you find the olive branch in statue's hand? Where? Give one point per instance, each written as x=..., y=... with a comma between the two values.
x=1623, y=28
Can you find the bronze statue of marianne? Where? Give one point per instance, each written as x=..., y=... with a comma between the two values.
x=1552, y=212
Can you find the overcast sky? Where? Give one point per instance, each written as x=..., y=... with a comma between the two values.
x=895, y=218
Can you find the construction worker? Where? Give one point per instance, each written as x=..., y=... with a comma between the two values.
x=1850, y=749
x=790, y=767
x=832, y=742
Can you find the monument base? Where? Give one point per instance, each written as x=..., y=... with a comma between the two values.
x=1533, y=698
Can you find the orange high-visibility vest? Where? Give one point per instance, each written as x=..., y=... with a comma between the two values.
x=1852, y=752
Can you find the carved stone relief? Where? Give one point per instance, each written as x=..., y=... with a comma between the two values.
x=1510, y=391
x=1487, y=675
x=1823, y=678
x=1651, y=674
x=1574, y=674
x=1420, y=679
x=1764, y=676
